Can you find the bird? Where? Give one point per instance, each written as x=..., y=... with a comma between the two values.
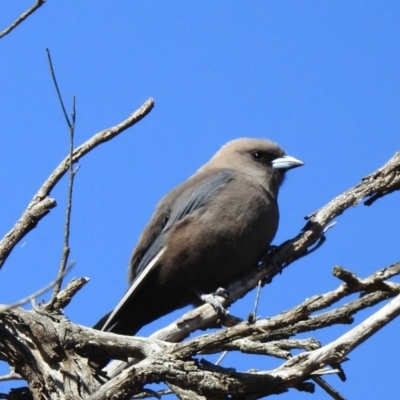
x=204, y=234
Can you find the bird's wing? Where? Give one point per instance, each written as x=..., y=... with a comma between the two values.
x=188, y=200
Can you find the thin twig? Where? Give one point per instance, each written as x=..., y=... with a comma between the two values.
x=64, y=297
x=22, y=17
x=328, y=388
x=252, y=317
x=41, y=204
x=36, y=294
x=71, y=127
x=221, y=357
x=53, y=76
x=257, y=298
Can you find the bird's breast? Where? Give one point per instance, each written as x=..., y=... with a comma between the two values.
x=219, y=242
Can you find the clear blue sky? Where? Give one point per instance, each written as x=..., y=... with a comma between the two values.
x=321, y=78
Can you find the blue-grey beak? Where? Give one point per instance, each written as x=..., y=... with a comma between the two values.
x=286, y=162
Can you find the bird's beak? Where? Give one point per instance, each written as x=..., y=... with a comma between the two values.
x=286, y=162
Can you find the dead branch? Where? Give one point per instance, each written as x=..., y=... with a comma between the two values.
x=46, y=350
x=71, y=175
x=250, y=338
x=41, y=204
x=22, y=17
x=30, y=339
x=63, y=298
x=173, y=366
x=328, y=388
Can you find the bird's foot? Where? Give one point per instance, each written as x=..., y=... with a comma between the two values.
x=212, y=299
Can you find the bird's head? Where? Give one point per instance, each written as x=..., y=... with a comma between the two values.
x=259, y=158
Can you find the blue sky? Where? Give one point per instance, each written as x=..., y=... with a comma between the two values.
x=321, y=78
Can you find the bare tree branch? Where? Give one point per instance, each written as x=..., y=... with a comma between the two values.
x=70, y=124
x=328, y=388
x=290, y=322
x=22, y=17
x=72, y=172
x=63, y=298
x=188, y=375
x=41, y=204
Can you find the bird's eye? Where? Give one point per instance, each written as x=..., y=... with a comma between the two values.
x=258, y=155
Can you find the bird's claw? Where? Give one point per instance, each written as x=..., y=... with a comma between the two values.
x=214, y=301
x=221, y=292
